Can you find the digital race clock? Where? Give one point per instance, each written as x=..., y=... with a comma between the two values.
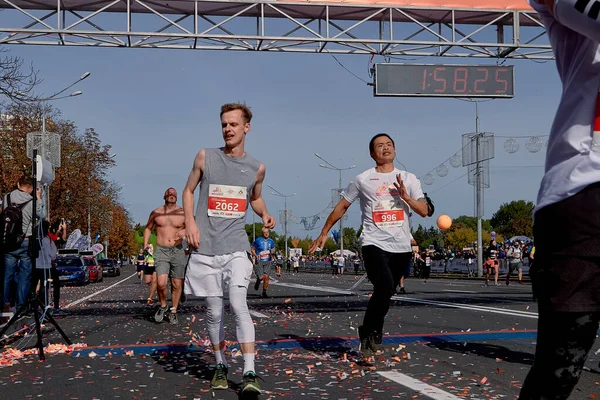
x=440, y=80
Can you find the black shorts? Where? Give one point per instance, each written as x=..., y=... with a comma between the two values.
x=140, y=267
x=149, y=270
x=566, y=273
x=384, y=269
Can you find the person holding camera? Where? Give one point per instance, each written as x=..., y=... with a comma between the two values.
x=58, y=233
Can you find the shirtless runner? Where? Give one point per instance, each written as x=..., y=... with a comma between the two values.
x=169, y=255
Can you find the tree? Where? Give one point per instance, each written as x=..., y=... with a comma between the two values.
x=514, y=219
x=471, y=222
x=459, y=237
x=258, y=232
x=351, y=239
x=16, y=81
x=80, y=184
x=426, y=237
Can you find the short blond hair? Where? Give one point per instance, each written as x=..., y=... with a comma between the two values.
x=237, y=106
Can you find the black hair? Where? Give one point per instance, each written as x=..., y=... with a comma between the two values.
x=372, y=142
x=45, y=228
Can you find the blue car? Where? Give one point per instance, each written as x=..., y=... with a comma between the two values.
x=72, y=271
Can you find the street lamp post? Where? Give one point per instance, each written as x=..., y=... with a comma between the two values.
x=328, y=165
x=43, y=101
x=285, y=211
x=89, y=216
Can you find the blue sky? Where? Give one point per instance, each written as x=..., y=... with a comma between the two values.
x=157, y=108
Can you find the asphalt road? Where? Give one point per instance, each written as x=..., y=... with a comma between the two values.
x=445, y=339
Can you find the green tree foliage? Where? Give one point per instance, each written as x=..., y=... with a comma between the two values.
x=351, y=239
x=258, y=233
x=138, y=236
x=471, y=222
x=428, y=236
x=514, y=219
x=459, y=237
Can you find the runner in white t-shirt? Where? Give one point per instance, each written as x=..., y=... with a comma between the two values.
x=386, y=196
x=566, y=273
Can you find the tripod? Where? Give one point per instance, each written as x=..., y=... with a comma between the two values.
x=33, y=302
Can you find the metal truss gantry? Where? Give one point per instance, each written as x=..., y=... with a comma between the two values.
x=280, y=26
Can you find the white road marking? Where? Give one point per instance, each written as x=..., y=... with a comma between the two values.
x=98, y=292
x=257, y=314
x=493, y=310
x=460, y=291
x=358, y=282
x=327, y=289
x=426, y=390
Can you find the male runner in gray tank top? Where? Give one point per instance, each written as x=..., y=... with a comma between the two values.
x=229, y=179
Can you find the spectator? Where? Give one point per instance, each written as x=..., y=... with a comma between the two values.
x=58, y=233
x=17, y=261
x=45, y=268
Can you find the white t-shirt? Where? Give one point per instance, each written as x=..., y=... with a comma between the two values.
x=572, y=163
x=341, y=261
x=384, y=214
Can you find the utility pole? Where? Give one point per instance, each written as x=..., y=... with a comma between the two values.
x=328, y=165
x=285, y=214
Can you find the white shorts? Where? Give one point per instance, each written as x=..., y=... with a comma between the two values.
x=207, y=275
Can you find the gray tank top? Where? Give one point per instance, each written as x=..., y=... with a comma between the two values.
x=225, y=191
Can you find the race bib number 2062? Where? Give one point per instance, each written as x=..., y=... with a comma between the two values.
x=226, y=201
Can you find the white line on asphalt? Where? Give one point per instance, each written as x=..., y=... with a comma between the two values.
x=494, y=310
x=327, y=289
x=98, y=292
x=427, y=390
x=459, y=291
x=358, y=282
x=257, y=314
x=515, y=313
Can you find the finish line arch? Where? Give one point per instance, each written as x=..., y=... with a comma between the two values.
x=441, y=28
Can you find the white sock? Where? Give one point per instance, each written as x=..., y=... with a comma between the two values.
x=248, y=362
x=220, y=357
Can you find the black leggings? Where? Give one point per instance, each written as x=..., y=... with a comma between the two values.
x=563, y=342
x=384, y=270
x=43, y=275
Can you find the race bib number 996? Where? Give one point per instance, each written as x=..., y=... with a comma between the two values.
x=387, y=214
x=226, y=201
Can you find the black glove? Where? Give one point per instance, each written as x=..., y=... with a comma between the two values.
x=430, y=206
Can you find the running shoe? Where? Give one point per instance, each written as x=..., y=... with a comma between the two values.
x=160, y=314
x=365, y=342
x=250, y=384
x=375, y=340
x=149, y=302
x=219, y=380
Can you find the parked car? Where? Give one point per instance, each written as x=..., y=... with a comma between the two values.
x=95, y=270
x=72, y=270
x=110, y=267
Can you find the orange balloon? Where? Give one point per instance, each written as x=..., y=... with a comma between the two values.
x=444, y=222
